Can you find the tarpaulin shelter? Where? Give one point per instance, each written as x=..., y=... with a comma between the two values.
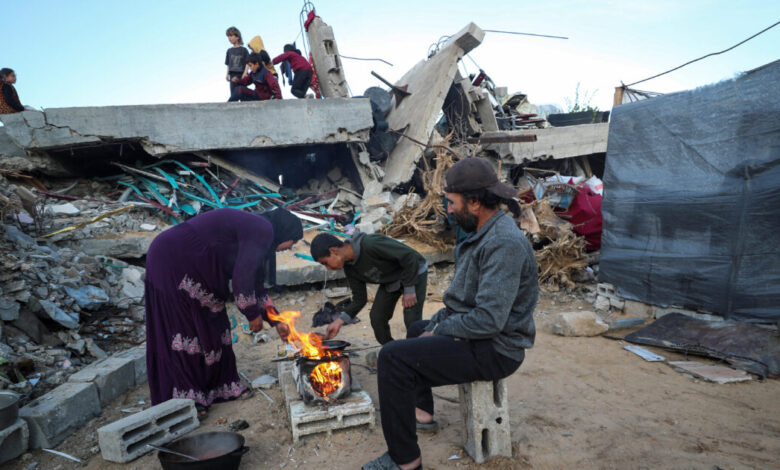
x=692, y=198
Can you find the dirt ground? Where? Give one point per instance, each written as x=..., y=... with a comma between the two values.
x=575, y=403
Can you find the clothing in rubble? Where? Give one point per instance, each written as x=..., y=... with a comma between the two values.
x=481, y=334
x=188, y=272
x=303, y=72
x=9, y=100
x=266, y=87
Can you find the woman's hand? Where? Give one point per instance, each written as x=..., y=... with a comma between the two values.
x=283, y=331
x=333, y=328
x=256, y=324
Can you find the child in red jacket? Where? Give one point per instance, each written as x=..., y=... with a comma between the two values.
x=301, y=67
x=266, y=86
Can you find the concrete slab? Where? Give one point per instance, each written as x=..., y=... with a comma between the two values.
x=711, y=372
x=112, y=377
x=428, y=82
x=327, y=63
x=57, y=414
x=14, y=440
x=551, y=142
x=126, y=439
x=355, y=410
x=176, y=128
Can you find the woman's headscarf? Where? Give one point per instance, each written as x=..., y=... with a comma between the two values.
x=286, y=227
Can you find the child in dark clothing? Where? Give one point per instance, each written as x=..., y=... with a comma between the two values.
x=301, y=67
x=266, y=86
x=9, y=100
x=399, y=270
x=236, y=56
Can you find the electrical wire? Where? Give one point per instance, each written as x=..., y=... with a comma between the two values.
x=705, y=56
x=364, y=58
x=524, y=34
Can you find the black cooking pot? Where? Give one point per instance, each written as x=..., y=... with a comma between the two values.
x=220, y=450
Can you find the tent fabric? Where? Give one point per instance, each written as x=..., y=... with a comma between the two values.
x=692, y=198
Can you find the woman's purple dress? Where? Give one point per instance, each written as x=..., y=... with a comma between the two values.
x=188, y=267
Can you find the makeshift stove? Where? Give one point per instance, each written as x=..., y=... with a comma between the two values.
x=323, y=379
x=318, y=386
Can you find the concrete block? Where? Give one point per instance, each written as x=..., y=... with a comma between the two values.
x=602, y=303
x=579, y=323
x=605, y=289
x=112, y=377
x=637, y=309
x=127, y=439
x=57, y=414
x=484, y=407
x=14, y=440
x=616, y=303
x=138, y=356
x=354, y=410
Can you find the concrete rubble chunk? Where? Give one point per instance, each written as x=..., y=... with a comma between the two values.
x=579, y=323
x=551, y=142
x=428, y=82
x=128, y=438
x=9, y=310
x=176, y=128
x=57, y=414
x=384, y=199
x=63, y=209
x=264, y=381
x=148, y=227
x=16, y=236
x=327, y=63
x=68, y=320
x=14, y=440
x=112, y=377
x=88, y=297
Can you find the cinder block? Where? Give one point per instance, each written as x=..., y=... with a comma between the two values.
x=637, y=309
x=127, y=439
x=485, y=410
x=57, y=414
x=607, y=290
x=355, y=410
x=138, y=356
x=112, y=377
x=14, y=440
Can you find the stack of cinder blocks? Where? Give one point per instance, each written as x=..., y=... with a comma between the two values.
x=485, y=410
x=56, y=415
x=128, y=438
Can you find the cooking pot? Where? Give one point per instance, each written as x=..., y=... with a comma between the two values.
x=220, y=450
x=9, y=409
x=335, y=345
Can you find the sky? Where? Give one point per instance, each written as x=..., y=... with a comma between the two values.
x=104, y=53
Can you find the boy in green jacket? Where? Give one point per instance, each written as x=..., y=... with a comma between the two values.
x=399, y=270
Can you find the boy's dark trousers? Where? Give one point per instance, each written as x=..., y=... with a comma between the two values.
x=234, y=85
x=301, y=83
x=407, y=369
x=384, y=305
x=242, y=93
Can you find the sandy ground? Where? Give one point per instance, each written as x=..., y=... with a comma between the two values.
x=575, y=403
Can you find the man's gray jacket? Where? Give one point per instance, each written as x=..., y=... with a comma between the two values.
x=494, y=290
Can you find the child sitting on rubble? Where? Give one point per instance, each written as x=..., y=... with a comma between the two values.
x=301, y=67
x=9, y=100
x=399, y=270
x=266, y=86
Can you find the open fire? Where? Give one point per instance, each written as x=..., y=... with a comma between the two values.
x=322, y=374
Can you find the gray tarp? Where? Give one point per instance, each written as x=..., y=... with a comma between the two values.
x=692, y=198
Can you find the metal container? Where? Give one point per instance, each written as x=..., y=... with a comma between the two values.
x=9, y=409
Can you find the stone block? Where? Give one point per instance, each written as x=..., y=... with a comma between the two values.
x=637, y=309
x=138, y=357
x=484, y=406
x=112, y=377
x=384, y=200
x=57, y=414
x=579, y=323
x=14, y=440
x=616, y=303
x=127, y=439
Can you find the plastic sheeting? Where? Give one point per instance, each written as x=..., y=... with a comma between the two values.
x=692, y=198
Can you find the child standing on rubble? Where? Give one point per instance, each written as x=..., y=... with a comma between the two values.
x=301, y=67
x=9, y=100
x=266, y=85
x=236, y=56
x=399, y=270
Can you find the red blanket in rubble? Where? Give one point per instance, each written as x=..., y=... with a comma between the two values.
x=585, y=214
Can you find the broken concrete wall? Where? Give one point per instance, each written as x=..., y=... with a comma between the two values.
x=551, y=142
x=175, y=128
x=325, y=55
x=428, y=82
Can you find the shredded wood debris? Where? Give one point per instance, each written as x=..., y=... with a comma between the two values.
x=563, y=251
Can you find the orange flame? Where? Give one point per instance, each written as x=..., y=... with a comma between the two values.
x=326, y=377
